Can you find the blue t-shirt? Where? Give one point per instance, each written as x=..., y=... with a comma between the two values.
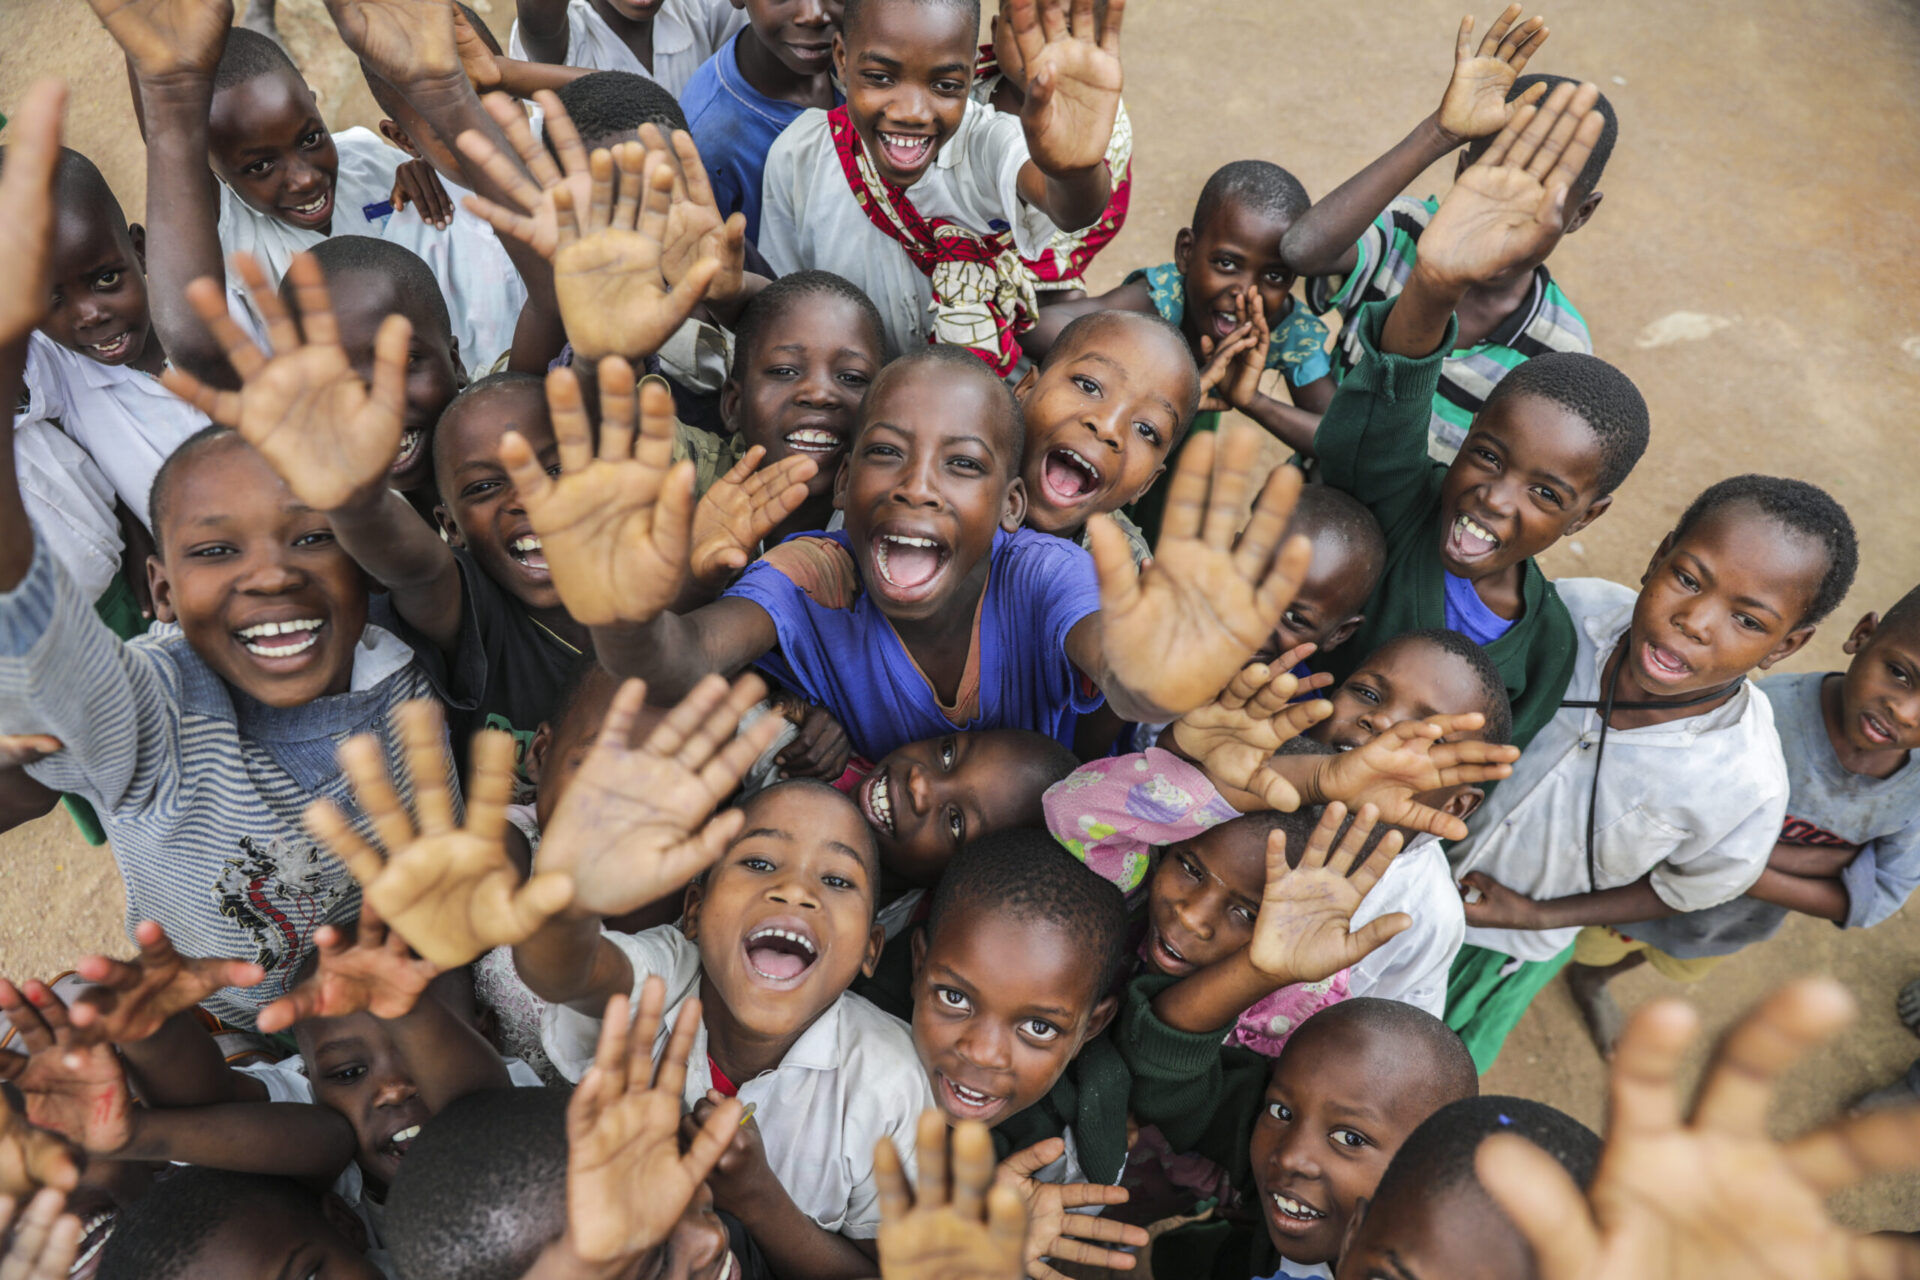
x=851, y=661
x=734, y=125
x=1468, y=614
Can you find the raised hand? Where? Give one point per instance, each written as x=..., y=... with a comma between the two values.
x=534, y=221
x=633, y=826
x=1391, y=768
x=969, y=1228
x=373, y=971
x=623, y=1133
x=1235, y=736
x=164, y=38
x=616, y=529
x=821, y=749
x=1203, y=597
x=130, y=999
x=33, y=1157
x=402, y=40
x=449, y=890
x=1713, y=1197
x=476, y=59
x=1488, y=904
x=1304, y=931
x=26, y=210
x=42, y=1241
x=1476, y=103
x=74, y=1090
x=740, y=509
x=1231, y=379
x=1507, y=208
x=695, y=228
x=1052, y=1231
x=1073, y=80
x=328, y=435
x=416, y=183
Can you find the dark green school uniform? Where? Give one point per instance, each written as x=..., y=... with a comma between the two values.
x=1372, y=442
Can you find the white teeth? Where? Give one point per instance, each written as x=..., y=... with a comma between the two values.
x=882, y=799
x=805, y=943
x=312, y=206
x=407, y=1134
x=911, y=142
x=1466, y=522
x=409, y=445
x=906, y=541
x=528, y=543
x=813, y=440
x=1074, y=456
x=280, y=628
x=726, y=1267
x=1294, y=1209
x=972, y=1097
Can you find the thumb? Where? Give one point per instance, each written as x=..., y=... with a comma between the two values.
x=1113, y=566
x=1026, y=1163
x=1373, y=935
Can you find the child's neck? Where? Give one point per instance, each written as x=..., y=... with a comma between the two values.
x=152, y=358
x=762, y=69
x=740, y=1054
x=939, y=646
x=635, y=33
x=1668, y=707
x=812, y=517
x=1501, y=592
x=1833, y=709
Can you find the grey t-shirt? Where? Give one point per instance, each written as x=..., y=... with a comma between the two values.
x=1827, y=805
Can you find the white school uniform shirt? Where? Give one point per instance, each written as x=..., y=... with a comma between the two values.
x=126, y=421
x=1412, y=966
x=851, y=1079
x=70, y=503
x=1697, y=802
x=685, y=34
x=482, y=287
x=809, y=217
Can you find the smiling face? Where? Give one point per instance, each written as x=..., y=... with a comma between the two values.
x=1342, y=1099
x=1327, y=609
x=907, y=69
x=1527, y=476
x=267, y=141
x=800, y=387
x=1399, y=681
x=255, y=579
x=798, y=32
x=1722, y=599
x=1101, y=419
x=99, y=286
x=1204, y=896
x=1238, y=248
x=361, y=301
x=927, y=799
x=784, y=921
x=931, y=478
x=1880, y=692
x=480, y=509
x=1000, y=1007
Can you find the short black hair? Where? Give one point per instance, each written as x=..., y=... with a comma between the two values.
x=503, y=380
x=1596, y=165
x=483, y=1188
x=406, y=271
x=967, y=362
x=1602, y=396
x=79, y=184
x=773, y=302
x=1324, y=512
x=854, y=10
x=1082, y=329
x=248, y=56
x=608, y=106
x=1024, y=875
x=1904, y=612
x=1802, y=508
x=1264, y=187
x=160, y=1235
x=1495, y=704
x=1449, y=1070
x=160, y=492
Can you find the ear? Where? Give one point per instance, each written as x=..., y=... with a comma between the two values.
x=449, y=529
x=1462, y=803
x=1584, y=212
x=840, y=477
x=1659, y=553
x=537, y=750
x=1342, y=633
x=344, y=1220
x=161, y=590
x=839, y=56
x=1862, y=632
x=1102, y=1014
x=1015, y=512
x=1151, y=480
x=730, y=405
x=459, y=369
x=138, y=235
x=1183, y=249
x=1354, y=1219
x=1793, y=642
x=1595, y=509
x=398, y=137
x=917, y=950
x=690, y=909
x=876, y=940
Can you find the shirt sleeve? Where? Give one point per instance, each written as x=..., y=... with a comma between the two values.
x=1882, y=876
x=1725, y=864
x=1111, y=813
x=70, y=504
x=781, y=200
x=571, y=1037
x=1056, y=581
x=1329, y=293
x=996, y=152
x=1412, y=966
x=1372, y=441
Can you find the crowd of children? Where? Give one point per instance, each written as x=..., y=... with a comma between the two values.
x=674, y=697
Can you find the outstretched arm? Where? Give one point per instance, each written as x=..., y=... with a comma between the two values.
x=1073, y=97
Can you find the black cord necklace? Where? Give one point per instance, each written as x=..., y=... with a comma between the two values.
x=1606, y=706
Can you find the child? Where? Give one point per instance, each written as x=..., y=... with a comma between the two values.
x=1349, y=555
x=206, y=1222
x=1360, y=243
x=663, y=40
x=1553, y=441
x=758, y=83
x=1432, y=1216
x=928, y=200
x=1688, y=806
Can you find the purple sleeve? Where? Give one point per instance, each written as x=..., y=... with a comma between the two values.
x=1112, y=813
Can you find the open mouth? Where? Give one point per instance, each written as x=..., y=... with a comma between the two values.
x=1662, y=664
x=114, y=349
x=1164, y=955
x=1288, y=1212
x=905, y=152
x=876, y=801
x=397, y=1145
x=1068, y=476
x=780, y=955
x=288, y=639
x=964, y=1103
x=908, y=564
x=815, y=442
x=1468, y=539
x=410, y=441
x=98, y=1214
x=313, y=212
x=1224, y=323
x=1875, y=730
x=526, y=551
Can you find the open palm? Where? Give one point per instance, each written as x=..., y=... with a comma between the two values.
x=1304, y=932
x=1234, y=737
x=399, y=39
x=168, y=37
x=1475, y=104
x=129, y=999
x=741, y=508
x=372, y=971
x=1073, y=81
x=77, y=1091
x=1390, y=768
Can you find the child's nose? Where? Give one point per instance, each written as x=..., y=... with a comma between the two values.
x=271, y=575
x=393, y=1091
x=1296, y=1155
x=919, y=787
x=811, y=13
x=984, y=1045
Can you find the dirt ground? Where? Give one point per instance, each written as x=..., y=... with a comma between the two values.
x=1748, y=269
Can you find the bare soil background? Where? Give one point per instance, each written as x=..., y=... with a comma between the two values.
x=1750, y=268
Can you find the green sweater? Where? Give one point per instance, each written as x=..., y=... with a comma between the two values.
x=1372, y=442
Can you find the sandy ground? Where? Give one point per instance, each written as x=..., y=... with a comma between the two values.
x=1749, y=269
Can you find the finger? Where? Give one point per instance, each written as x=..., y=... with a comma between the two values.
x=694, y=171
x=1378, y=859
x=328, y=825
x=572, y=433
x=1187, y=491
x=221, y=406
x=1543, y=1203
x=1497, y=30
x=1238, y=451
x=1267, y=525
x=539, y=900
x=364, y=761
x=1374, y=934
x=686, y=719
x=283, y=335
x=721, y=775
x=715, y=1135
x=657, y=431
x=1078, y=1195
x=1501, y=148
x=618, y=399
x=297, y=1005
x=1437, y=822
x=507, y=222
x=316, y=306
x=672, y=1077
x=1030, y=1160
x=209, y=302
x=1882, y=1256
x=1053, y=19
x=1740, y=1079
x=890, y=1182
x=1113, y=565
x=1320, y=842
x=1848, y=1151
x=1534, y=136
x=1110, y=29
x=1080, y=21
x=1355, y=839
x=388, y=392
x=1641, y=1096
x=423, y=736
x=560, y=130
x=1572, y=157
x=1067, y=1248
x=658, y=202
x=616, y=730
x=973, y=1166
x=1523, y=54
x=599, y=211
x=930, y=1146
x=1007, y=1212
x=1024, y=17
x=1560, y=136
x=1279, y=794
x=1463, y=42
x=613, y=1057
x=490, y=786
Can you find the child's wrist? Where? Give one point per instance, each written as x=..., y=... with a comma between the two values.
x=1441, y=139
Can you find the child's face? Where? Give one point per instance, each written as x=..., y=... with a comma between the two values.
x=1527, y=476
x=1880, y=692
x=927, y=799
x=1203, y=898
x=238, y=554
x=801, y=387
x=479, y=508
x=1715, y=604
x=268, y=142
x=361, y=301
x=798, y=32
x=274, y=1239
x=1452, y=1234
x=1237, y=249
x=1100, y=420
x=802, y=868
x=1340, y=1103
x=1000, y=1007
x=698, y=1247
x=907, y=69
x=99, y=287
x=933, y=475
x=1327, y=610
